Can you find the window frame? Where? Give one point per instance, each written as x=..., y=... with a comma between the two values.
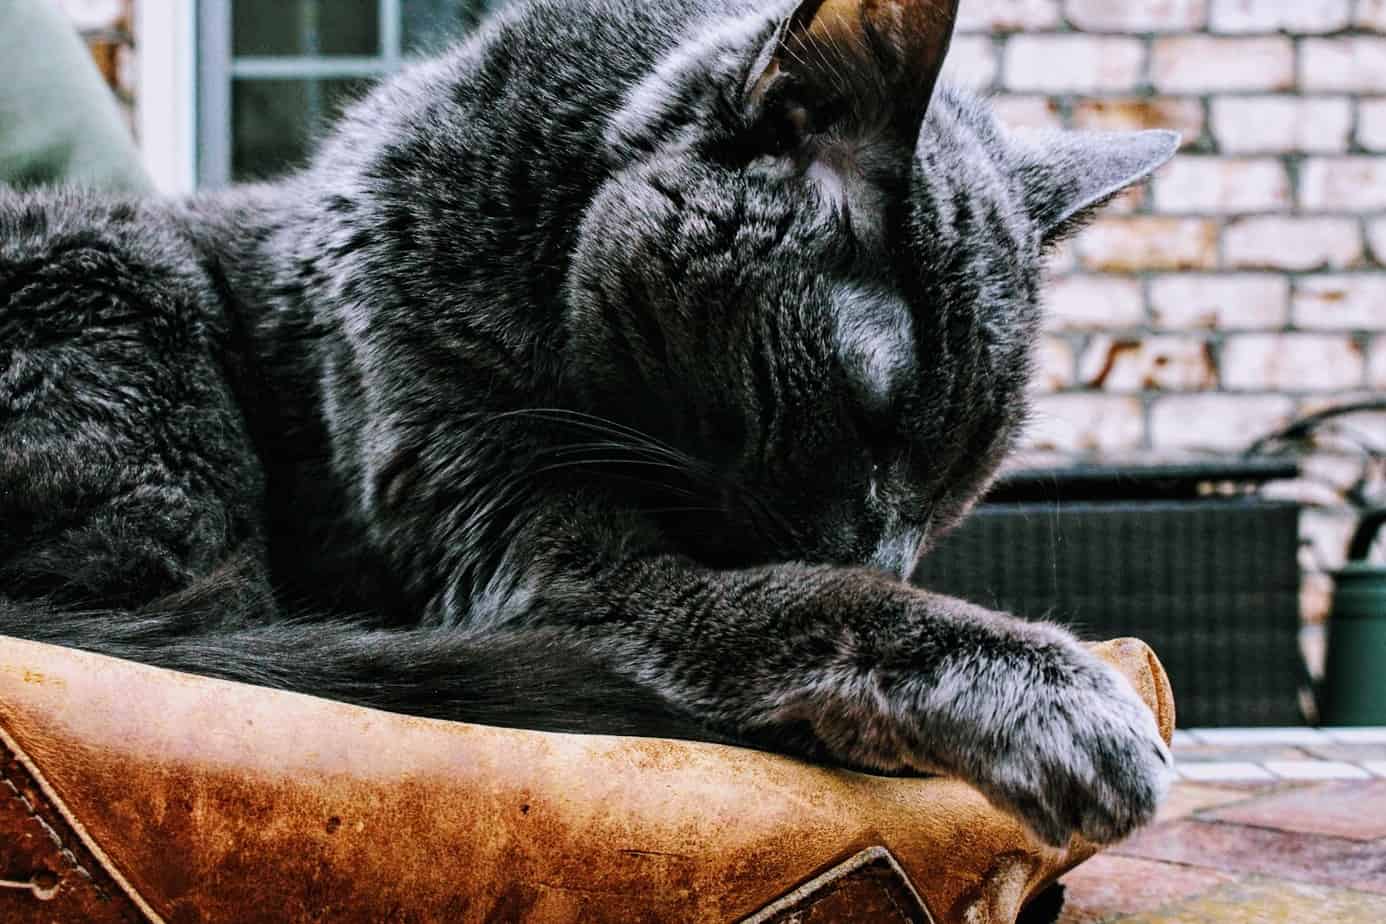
x=166, y=102
x=217, y=66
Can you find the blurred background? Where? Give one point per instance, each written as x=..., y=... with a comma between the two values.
x=1190, y=330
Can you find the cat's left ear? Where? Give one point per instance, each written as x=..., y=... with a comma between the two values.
x=1067, y=176
x=872, y=63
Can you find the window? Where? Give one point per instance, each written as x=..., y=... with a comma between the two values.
x=272, y=72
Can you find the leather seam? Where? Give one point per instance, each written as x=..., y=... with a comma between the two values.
x=25, y=765
x=63, y=850
x=900, y=914
x=833, y=878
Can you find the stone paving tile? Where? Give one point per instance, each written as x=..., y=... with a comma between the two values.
x=1357, y=735
x=1238, y=755
x=1316, y=770
x=1210, y=771
x=1241, y=849
x=1107, y=887
x=1258, y=736
x=1353, y=753
x=1185, y=799
x=1261, y=786
x=1354, y=810
x=1266, y=901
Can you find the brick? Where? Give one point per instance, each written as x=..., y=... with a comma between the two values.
x=1281, y=124
x=1371, y=424
x=1062, y=260
x=1200, y=63
x=1053, y=365
x=1230, y=302
x=1291, y=362
x=1288, y=243
x=1148, y=16
x=1216, y=421
x=1350, y=302
x=1039, y=112
x=1343, y=184
x=1315, y=601
x=1371, y=124
x=1139, y=243
x=1376, y=237
x=971, y=62
x=1129, y=200
x=1087, y=423
x=1008, y=15
x=1158, y=363
x=1339, y=470
x=1094, y=302
x=1219, y=184
x=1329, y=474
x=1376, y=365
x=1371, y=14
x=1073, y=64
x=1355, y=65
x=1299, y=16
x=1350, y=432
x=1327, y=533
x=1134, y=114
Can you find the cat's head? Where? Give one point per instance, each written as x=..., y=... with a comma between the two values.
x=818, y=274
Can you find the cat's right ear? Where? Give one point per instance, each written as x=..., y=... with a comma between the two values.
x=850, y=66
x=1067, y=176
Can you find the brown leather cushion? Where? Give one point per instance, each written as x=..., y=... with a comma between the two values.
x=129, y=793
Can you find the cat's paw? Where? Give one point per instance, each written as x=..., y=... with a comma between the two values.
x=1079, y=753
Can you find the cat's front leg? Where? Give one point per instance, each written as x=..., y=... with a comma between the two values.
x=1025, y=713
x=872, y=673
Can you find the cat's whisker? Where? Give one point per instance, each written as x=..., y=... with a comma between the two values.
x=569, y=449
x=625, y=439
x=591, y=421
x=558, y=466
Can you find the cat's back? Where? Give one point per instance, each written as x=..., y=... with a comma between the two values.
x=79, y=270
x=538, y=71
x=85, y=239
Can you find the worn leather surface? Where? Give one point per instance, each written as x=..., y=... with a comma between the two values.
x=134, y=794
x=46, y=872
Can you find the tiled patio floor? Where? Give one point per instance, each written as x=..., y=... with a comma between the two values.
x=1263, y=826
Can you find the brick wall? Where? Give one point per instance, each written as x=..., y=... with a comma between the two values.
x=1245, y=283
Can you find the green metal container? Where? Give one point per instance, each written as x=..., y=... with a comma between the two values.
x=1355, y=675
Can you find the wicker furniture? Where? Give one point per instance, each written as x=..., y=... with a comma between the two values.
x=1188, y=557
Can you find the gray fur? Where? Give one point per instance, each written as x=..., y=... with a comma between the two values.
x=616, y=377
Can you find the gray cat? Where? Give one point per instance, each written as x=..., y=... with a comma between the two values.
x=608, y=374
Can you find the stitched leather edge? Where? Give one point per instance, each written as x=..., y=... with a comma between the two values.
x=794, y=899
x=82, y=853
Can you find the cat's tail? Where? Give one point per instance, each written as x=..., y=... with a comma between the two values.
x=529, y=678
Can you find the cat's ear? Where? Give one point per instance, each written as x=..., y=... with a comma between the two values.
x=1067, y=176
x=873, y=63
